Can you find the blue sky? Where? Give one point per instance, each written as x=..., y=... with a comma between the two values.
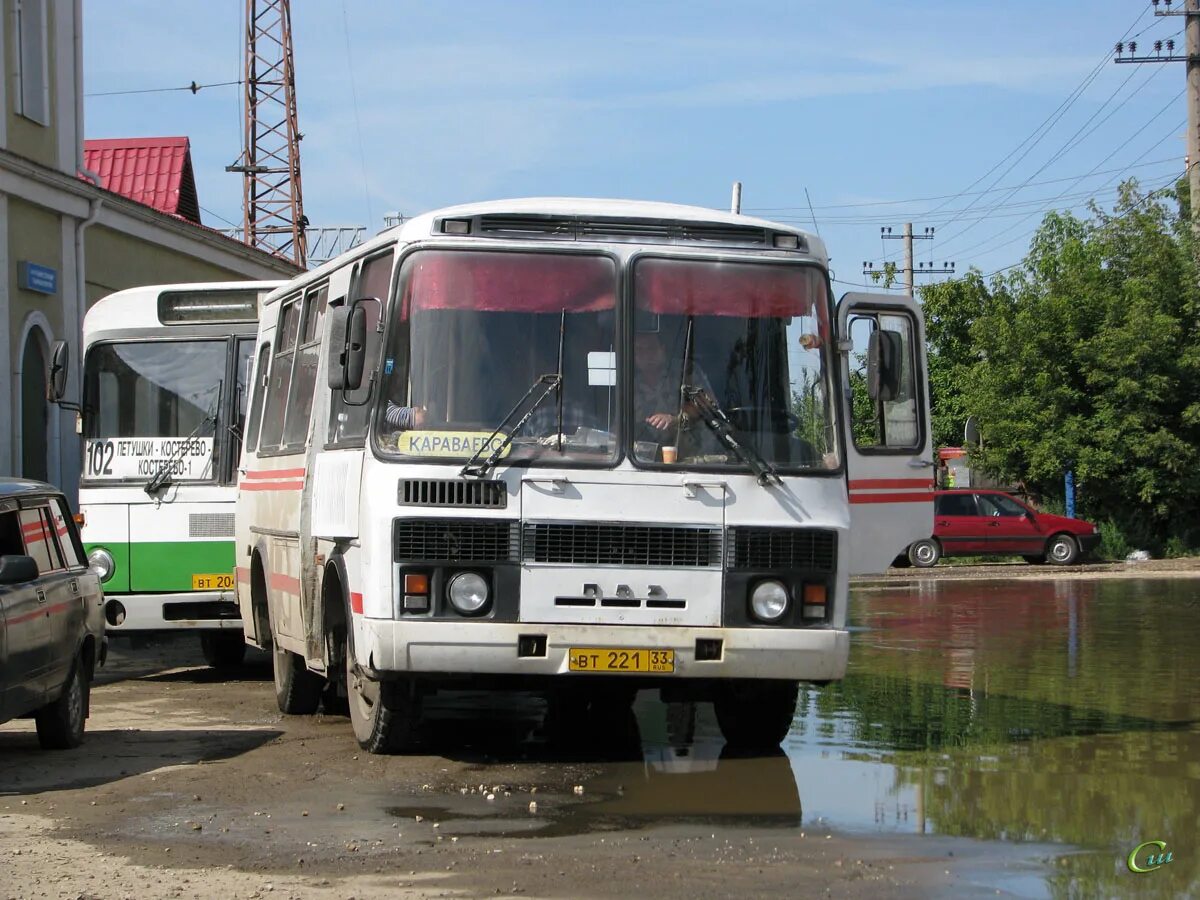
x=871, y=107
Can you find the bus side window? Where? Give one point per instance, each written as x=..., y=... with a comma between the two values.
x=256, y=400
x=304, y=379
x=281, y=376
x=347, y=421
x=884, y=424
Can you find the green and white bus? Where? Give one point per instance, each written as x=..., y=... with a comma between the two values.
x=166, y=377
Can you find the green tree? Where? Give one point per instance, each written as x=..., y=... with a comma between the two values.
x=1086, y=357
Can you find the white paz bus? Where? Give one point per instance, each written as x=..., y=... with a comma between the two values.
x=577, y=446
x=166, y=374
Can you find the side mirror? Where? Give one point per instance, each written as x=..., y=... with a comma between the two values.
x=60, y=361
x=347, y=347
x=17, y=569
x=885, y=364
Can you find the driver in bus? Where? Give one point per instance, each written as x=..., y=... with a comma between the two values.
x=656, y=391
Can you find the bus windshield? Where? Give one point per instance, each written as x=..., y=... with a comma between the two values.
x=474, y=331
x=739, y=348
x=140, y=398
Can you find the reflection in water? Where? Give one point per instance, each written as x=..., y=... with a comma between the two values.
x=1063, y=711
x=661, y=763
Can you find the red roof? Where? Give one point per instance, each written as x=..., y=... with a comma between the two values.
x=154, y=171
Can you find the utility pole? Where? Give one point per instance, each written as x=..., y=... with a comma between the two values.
x=1191, y=59
x=735, y=202
x=908, y=271
x=272, y=204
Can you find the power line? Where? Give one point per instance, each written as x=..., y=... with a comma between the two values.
x=1125, y=144
x=774, y=209
x=1064, y=148
x=193, y=87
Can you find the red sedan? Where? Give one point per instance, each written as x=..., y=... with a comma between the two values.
x=992, y=523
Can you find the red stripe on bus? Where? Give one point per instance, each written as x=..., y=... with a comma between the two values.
x=865, y=483
x=286, y=583
x=242, y=574
x=356, y=605
x=909, y=497
x=275, y=473
x=271, y=485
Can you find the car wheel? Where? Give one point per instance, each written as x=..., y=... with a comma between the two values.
x=925, y=553
x=223, y=650
x=60, y=724
x=1062, y=550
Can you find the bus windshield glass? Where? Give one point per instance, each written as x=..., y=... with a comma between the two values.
x=152, y=404
x=732, y=352
x=473, y=335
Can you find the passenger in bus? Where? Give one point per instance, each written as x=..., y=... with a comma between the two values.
x=405, y=418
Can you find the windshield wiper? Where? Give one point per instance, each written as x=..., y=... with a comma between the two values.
x=162, y=477
x=712, y=416
x=549, y=383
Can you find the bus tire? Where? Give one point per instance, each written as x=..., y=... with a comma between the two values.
x=223, y=650
x=297, y=690
x=756, y=714
x=385, y=715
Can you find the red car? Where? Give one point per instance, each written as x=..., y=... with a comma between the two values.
x=992, y=523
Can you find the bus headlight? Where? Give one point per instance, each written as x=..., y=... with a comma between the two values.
x=468, y=593
x=769, y=601
x=101, y=562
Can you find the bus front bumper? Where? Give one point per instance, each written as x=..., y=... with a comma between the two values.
x=170, y=612
x=454, y=647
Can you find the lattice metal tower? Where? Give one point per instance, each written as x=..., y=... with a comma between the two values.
x=272, y=205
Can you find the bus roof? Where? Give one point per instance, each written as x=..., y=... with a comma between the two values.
x=578, y=208
x=137, y=308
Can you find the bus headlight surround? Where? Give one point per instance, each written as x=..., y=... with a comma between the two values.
x=468, y=593
x=101, y=562
x=769, y=601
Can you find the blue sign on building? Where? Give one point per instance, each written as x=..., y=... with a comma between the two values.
x=32, y=277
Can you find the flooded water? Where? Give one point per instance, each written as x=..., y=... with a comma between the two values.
x=1061, y=715
x=1060, y=711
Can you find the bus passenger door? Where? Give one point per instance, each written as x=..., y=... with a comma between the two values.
x=885, y=408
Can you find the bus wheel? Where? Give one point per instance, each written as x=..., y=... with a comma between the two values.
x=756, y=714
x=297, y=690
x=223, y=650
x=385, y=715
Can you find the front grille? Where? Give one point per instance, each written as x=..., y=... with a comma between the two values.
x=627, y=545
x=782, y=548
x=452, y=492
x=210, y=525
x=455, y=540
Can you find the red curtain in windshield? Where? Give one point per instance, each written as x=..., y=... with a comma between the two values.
x=508, y=282
x=704, y=288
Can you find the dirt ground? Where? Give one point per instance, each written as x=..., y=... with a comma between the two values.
x=190, y=785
